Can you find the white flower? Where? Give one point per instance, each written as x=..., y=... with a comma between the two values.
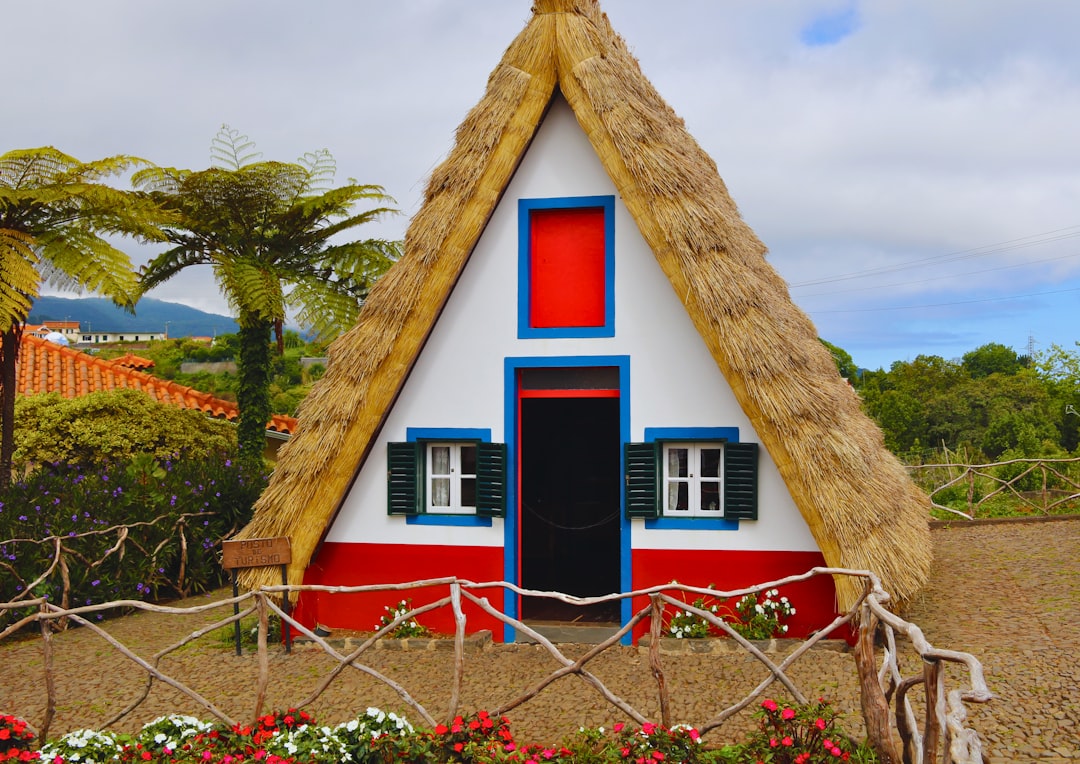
x=352, y=725
x=759, y=609
x=792, y=611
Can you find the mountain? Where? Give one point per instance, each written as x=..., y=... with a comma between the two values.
x=100, y=314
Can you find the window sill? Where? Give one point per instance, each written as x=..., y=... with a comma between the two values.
x=466, y=521
x=691, y=524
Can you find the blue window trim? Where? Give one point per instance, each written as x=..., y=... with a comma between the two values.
x=729, y=434
x=525, y=206
x=510, y=528
x=415, y=434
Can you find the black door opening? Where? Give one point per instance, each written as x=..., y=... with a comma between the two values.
x=570, y=473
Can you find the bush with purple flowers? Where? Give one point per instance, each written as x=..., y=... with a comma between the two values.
x=138, y=529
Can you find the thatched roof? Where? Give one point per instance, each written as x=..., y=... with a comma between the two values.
x=856, y=498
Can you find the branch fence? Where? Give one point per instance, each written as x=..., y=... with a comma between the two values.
x=889, y=714
x=1036, y=486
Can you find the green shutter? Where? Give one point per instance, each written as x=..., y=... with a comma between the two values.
x=403, y=476
x=640, y=462
x=491, y=479
x=740, y=481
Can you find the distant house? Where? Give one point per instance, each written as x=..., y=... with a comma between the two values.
x=73, y=333
x=104, y=338
x=583, y=376
x=47, y=367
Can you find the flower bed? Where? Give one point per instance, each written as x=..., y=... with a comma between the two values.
x=786, y=735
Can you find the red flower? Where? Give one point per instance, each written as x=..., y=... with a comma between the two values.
x=787, y=713
x=819, y=723
x=441, y=729
x=788, y=741
x=769, y=705
x=5, y=733
x=458, y=747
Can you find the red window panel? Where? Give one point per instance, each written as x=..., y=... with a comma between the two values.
x=566, y=267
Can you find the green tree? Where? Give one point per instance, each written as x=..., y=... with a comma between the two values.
x=54, y=214
x=1059, y=368
x=267, y=231
x=992, y=358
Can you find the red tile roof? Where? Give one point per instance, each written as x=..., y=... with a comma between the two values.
x=45, y=367
x=132, y=361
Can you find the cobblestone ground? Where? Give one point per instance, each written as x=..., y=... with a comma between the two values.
x=1008, y=593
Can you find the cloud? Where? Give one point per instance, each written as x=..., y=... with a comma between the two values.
x=852, y=135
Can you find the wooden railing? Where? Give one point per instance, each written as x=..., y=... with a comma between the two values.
x=1033, y=486
x=885, y=690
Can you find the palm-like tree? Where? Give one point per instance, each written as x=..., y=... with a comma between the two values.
x=265, y=228
x=54, y=214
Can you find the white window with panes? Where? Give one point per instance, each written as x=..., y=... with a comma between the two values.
x=451, y=478
x=693, y=479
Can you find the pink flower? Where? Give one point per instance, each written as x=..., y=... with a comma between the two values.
x=548, y=753
x=648, y=728
x=819, y=723
x=835, y=751
x=787, y=713
x=694, y=735
x=773, y=742
x=769, y=705
x=618, y=726
x=658, y=755
x=206, y=755
x=788, y=741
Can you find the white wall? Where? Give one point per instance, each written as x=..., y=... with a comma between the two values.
x=458, y=379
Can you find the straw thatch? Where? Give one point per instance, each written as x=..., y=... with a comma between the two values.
x=860, y=505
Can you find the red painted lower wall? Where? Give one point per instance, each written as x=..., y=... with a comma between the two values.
x=339, y=564
x=814, y=600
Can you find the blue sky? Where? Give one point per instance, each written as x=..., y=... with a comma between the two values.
x=912, y=165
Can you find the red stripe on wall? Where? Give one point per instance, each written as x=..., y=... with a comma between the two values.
x=339, y=564
x=814, y=600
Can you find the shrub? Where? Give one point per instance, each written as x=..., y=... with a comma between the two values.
x=105, y=427
x=177, y=510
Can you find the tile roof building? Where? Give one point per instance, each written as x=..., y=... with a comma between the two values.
x=46, y=367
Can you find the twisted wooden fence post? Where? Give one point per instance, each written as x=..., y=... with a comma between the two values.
x=459, y=648
x=656, y=626
x=264, y=661
x=875, y=707
x=50, y=679
x=935, y=709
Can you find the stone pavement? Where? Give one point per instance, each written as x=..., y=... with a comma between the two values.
x=1007, y=592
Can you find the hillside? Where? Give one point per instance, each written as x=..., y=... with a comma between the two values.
x=100, y=314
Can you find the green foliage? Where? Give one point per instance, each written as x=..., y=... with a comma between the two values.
x=992, y=358
x=992, y=402
x=269, y=230
x=55, y=212
x=181, y=507
x=112, y=425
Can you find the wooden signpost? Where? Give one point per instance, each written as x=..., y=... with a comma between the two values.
x=256, y=553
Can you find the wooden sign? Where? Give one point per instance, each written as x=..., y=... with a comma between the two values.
x=254, y=553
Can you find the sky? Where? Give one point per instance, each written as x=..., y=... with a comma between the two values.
x=913, y=166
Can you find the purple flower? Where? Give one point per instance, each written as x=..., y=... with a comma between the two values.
x=95, y=582
x=23, y=518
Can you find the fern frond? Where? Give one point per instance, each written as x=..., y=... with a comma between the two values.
x=321, y=168
x=19, y=278
x=230, y=150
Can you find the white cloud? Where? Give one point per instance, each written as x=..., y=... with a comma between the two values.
x=924, y=129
